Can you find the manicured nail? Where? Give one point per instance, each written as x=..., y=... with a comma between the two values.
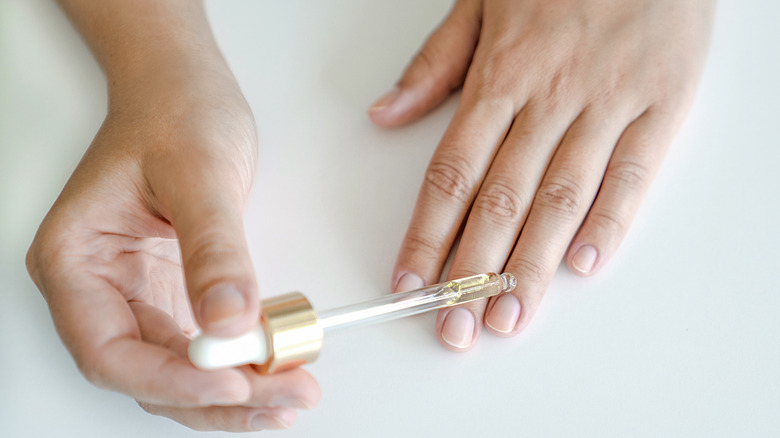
x=504, y=314
x=458, y=328
x=221, y=305
x=407, y=282
x=265, y=421
x=584, y=259
x=386, y=100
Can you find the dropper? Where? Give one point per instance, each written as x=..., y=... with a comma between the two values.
x=290, y=332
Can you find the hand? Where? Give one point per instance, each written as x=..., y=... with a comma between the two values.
x=162, y=188
x=567, y=109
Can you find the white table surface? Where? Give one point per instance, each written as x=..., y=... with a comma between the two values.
x=678, y=336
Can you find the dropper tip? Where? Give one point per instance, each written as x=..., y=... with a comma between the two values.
x=509, y=282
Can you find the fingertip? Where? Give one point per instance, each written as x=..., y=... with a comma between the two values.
x=385, y=101
x=393, y=109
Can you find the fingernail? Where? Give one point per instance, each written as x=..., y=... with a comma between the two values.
x=458, y=328
x=290, y=402
x=386, y=100
x=584, y=259
x=265, y=421
x=221, y=304
x=504, y=314
x=409, y=281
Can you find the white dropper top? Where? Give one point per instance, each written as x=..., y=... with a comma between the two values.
x=211, y=353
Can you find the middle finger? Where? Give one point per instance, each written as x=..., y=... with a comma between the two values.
x=500, y=209
x=451, y=182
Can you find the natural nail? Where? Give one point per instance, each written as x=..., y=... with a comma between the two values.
x=264, y=421
x=584, y=259
x=386, y=100
x=221, y=304
x=458, y=328
x=504, y=314
x=290, y=402
x=408, y=282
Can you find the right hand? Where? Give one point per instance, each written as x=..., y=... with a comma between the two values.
x=162, y=188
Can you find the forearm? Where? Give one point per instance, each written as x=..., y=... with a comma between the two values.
x=135, y=40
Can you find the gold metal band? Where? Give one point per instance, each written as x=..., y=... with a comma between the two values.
x=294, y=335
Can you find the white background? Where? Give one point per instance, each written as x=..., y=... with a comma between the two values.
x=678, y=336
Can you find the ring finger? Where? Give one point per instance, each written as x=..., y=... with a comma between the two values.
x=559, y=207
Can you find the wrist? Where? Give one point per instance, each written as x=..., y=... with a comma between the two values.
x=149, y=44
x=165, y=77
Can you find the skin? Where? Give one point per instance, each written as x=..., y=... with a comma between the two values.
x=161, y=191
x=566, y=111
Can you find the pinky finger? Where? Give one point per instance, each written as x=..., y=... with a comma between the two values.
x=636, y=158
x=227, y=418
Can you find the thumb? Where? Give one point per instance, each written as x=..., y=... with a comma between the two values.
x=204, y=202
x=437, y=69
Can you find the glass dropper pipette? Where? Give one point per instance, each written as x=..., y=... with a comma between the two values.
x=291, y=332
x=403, y=304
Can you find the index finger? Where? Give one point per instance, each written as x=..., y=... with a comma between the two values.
x=291, y=389
x=99, y=329
x=451, y=182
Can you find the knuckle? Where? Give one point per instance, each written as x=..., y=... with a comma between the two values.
x=501, y=59
x=467, y=268
x=426, y=58
x=492, y=94
x=628, y=173
x=667, y=88
x=500, y=203
x=488, y=83
x=91, y=369
x=95, y=363
x=429, y=68
x=609, y=221
x=211, y=247
x=418, y=242
x=148, y=407
x=561, y=194
x=529, y=271
x=609, y=94
x=172, y=342
x=44, y=256
x=30, y=262
x=447, y=178
x=559, y=89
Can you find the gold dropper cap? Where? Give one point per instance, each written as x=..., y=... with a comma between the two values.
x=293, y=333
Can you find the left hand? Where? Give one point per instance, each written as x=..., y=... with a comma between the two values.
x=566, y=112
x=147, y=241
